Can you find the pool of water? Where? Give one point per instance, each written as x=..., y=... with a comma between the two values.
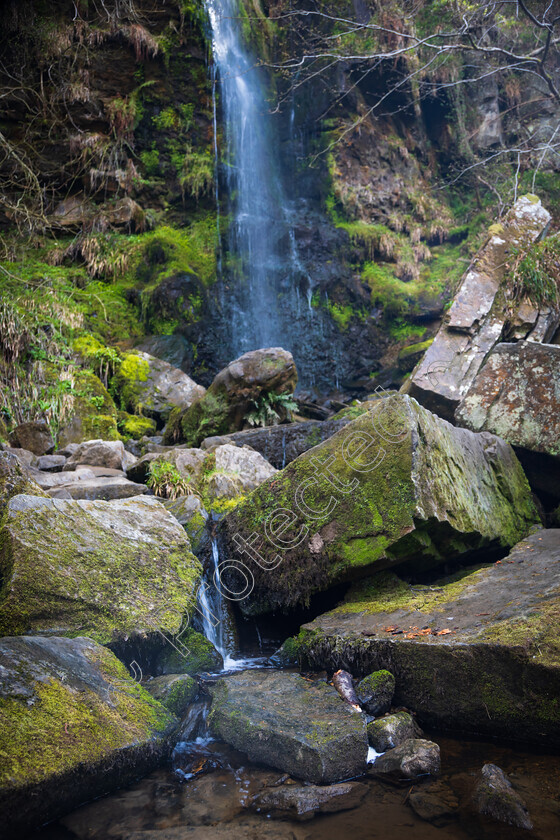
x=206, y=791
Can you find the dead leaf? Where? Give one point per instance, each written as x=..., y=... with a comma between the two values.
x=389, y=629
x=444, y=632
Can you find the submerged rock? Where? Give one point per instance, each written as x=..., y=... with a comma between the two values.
x=232, y=394
x=376, y=691
x=304, y=802
x=397, y=485
x=390, y=731
x=107, y=569
x=286, y=722
x=73, y=726
x=411, y=759
x=495, y=797
x=476, y=652
x=433, y=802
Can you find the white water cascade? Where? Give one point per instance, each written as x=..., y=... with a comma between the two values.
x=263, y=273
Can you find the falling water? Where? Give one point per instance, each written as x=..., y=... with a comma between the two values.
x=262, y=270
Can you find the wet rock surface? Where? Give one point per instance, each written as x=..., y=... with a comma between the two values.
x=477, y=652
x=392, y=730
x=303, y=803
x=410, y=760
x=283, y=721
x=375, y=692
x=496, y=797
x=73, y=726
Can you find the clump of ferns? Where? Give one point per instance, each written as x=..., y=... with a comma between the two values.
x=165, y=480
x=533, y=274
x=270, y=409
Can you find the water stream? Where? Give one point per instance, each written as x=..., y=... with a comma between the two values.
x=263, y=276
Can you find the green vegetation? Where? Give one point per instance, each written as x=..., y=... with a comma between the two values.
x=534, y=273
x=166, y=481
x=270, y=408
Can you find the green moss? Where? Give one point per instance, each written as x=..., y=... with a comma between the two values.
x=63, y=728
x=202, y=656
x=133, y=426
x=208, y=416
x=132, y=374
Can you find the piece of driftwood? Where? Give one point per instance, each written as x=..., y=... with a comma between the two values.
x=343, y=683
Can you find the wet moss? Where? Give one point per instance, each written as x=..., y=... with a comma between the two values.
x=132, y=375
x=133, y=426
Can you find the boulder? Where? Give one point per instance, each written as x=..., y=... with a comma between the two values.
x=175, y=691
x=50, y=480
x=190, y=513
x=390, y=731
x=495, y=797
x=232, y=394
x=195, y=655
x=397, y=486
x=34, y=436
x=303, y=802
x=24, y=456
x=103, y=488
x=189, y=462
x=248, y=468
x=91, y=413
x=411, y=759
x=73, y=727
x=98, y=453
x=51, y=463
x=14, y=480
x=173, y=349
x=106, y=569
x=283, y=721
x=281, y=444
x=476, y=652
x=154, y=385
x=476, y=319
x=516, y=396
x=375, y=692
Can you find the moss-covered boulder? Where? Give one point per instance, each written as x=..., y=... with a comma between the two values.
x=390, y=731
x=91, y=412
x=175, y=691
x=14, y=480
x=237, y=389
x=375, y=692
x=105, y=569
x=195, y=655
x=154, y=386
x=73, y=726
x=396, y=486
x=410, y=760
x=191, y=514
x=478, y=652
x=134, y=426
x=281, y=720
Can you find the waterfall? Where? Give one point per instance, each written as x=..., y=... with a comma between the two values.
x=261, y=269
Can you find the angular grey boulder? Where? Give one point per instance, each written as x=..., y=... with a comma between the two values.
x=98, y=453
x=390, y=731
x=411, y=759
x=156, y=385
x=495, y=797
x=285, y=722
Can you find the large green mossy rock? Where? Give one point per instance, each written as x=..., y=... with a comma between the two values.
x=73, y=726
x=104, y=569
x=281, y=720
x=195, y=655
x=14, y=481
x=477, y=653
x=398, y=485
x=236, y=390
